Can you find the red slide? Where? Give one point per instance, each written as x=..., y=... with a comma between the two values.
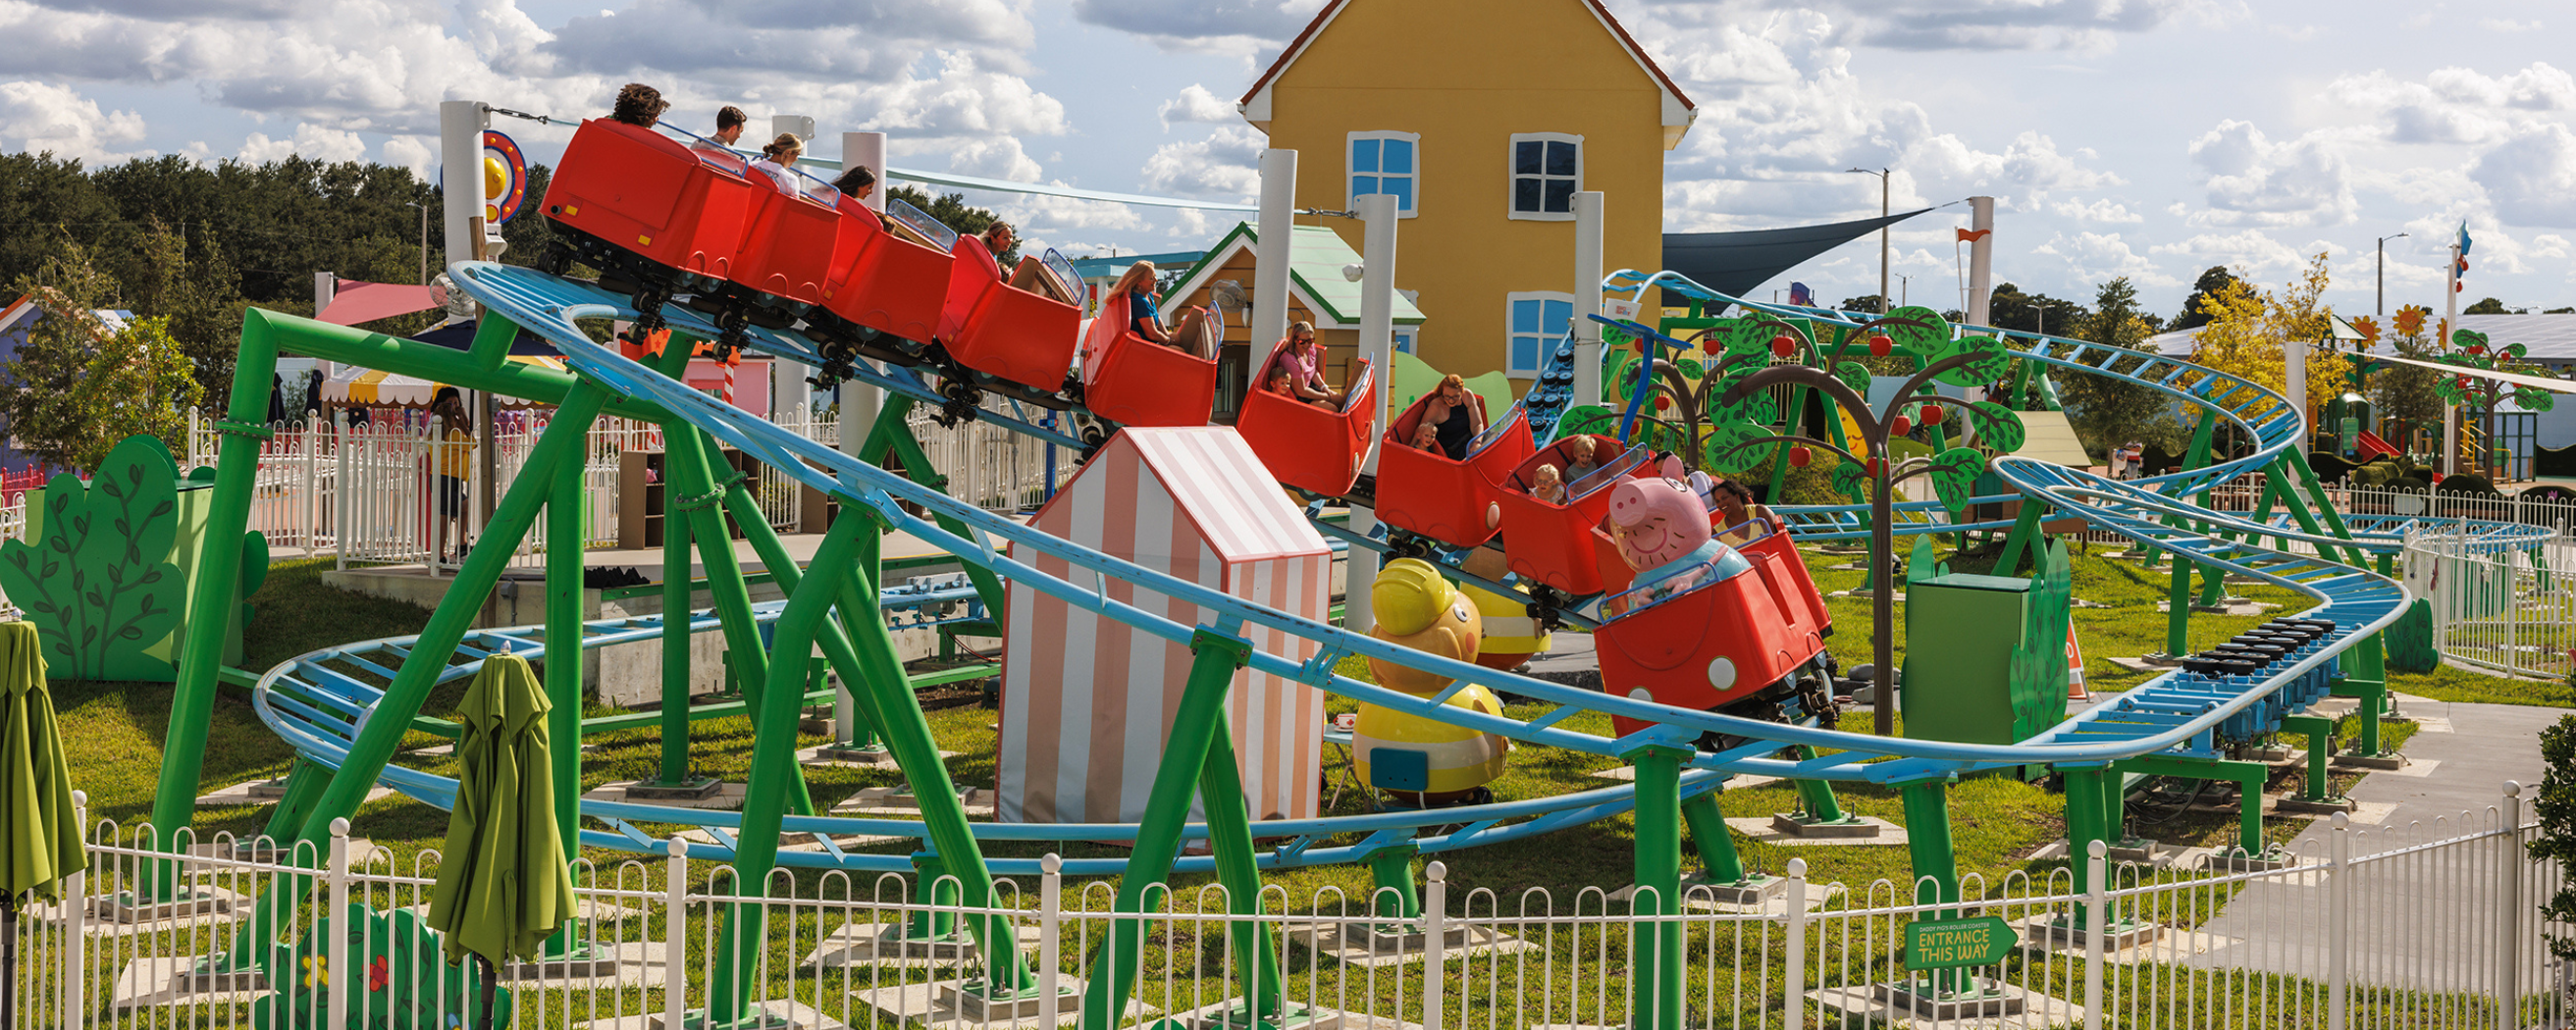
x=2372, y=446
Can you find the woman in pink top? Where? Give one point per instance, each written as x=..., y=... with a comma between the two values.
x=1304, y=362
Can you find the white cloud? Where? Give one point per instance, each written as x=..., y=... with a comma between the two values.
x=2254, y=181
x=1224, y=166
x=1253, y=30
x=2250, y=249
x=2100, y=257
x=2101, y=210
x=2531, y=178
x=37, y=117
x=1196, y=104
x=410, y=152
x=312, y=142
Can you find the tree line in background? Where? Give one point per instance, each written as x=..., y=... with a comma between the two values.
x=187, y=246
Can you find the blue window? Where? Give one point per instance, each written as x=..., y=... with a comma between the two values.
x=1547, y=170
x=1538, y=320
x=1386, y=162
x=1404, y=341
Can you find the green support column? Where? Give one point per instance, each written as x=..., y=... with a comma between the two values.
x=2024, y=530
x=1229, y=823
x=2178, y=610
x=1656, y=943
x=1177, y=778
x=1718, y=859
x=1818, y=795
x=2366, y=677
x=773, y=767
x=782, y=568
x=1927, y=838
x=890, y=701
x=566, y=538
x=201, y=654
x=1392, y=892
x=694, y=489
x=939, y=891
x=2320, y=733
x=676, y=638
x=304, y=783
x=2084, y=819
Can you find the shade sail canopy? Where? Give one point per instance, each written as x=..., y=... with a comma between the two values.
x=1736, y=263
x=350, y=384
x=356, y=302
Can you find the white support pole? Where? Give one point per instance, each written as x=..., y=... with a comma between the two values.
x=799, y=125
x=2097, y=916
x=2338, y=922
x=675, y=932
x=2511, y=856
x=1050, y=938
x=460, y=161
x=1981, y=258
x=335, y=954
x=868, y=149
x=1377, y=341
x=858, y=413
x=1587, y=297
x=2294, y=369
x=1271, y=250
x=2450, y=324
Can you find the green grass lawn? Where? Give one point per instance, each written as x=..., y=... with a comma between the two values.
x=114, y=733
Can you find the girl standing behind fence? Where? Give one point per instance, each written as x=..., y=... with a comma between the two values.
x=451, y=460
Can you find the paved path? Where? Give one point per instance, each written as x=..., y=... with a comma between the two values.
x=2427, y=919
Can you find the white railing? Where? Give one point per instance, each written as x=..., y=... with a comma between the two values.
x=2512, y=610
x=2425, y=925
x=991, y=466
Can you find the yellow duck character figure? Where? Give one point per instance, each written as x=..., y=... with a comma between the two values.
x=1419, y=761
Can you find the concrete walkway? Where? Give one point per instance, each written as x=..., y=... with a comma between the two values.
x=2426, y=920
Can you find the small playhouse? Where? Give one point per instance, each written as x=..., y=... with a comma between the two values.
x=1088, y=701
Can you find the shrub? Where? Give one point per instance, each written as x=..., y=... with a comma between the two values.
x=2555, y=808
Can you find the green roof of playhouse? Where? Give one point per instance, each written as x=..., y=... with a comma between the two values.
x=1315, y=258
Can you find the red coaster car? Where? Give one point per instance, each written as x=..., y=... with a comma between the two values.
x=993, y=327
x=793, y=247
x=1752, y=618
x=1312, y=448
x=886, y=281
x=643, y=192
x=1134, y=381
x=1429, y=493
x=1553, y=543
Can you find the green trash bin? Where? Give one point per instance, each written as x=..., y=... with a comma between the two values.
x=1960, y=631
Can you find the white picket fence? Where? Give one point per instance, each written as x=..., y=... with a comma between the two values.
x=2511, y=610
x=2423, y=925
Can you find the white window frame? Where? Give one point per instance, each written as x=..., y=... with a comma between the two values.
x=1512, y=176
x=1514, y=371
x=1349, y=173
x=1402, y=339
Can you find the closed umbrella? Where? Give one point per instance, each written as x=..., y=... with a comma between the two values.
x=502, y=886
x=40, y=833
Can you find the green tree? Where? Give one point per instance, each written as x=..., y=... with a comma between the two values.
x=2404, y=394
x=2108, y=412
x=2195, y=310
x=2487, y=306
x=2009, y=308
x=196, y=295
x=42, y=200
x=76, y=386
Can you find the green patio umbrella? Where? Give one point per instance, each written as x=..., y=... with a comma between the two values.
x=40, y=833
x=502, y=885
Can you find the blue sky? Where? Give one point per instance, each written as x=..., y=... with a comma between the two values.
x=2148, y=138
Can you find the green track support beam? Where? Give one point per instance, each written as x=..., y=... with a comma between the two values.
x=773, y=555
x=567, y=536
x=677, y=579
x=1229, y=823
x=766, y=795
x=2086, y=820
x=2320, y=733
x=893, y=435
x=1392, y=892
x=1188, y=755
x=1927, y=839
x=1718, y=860
x=1818, y=795
x=2367, y=678
x=303, y=784
x=887, y=697
x=2249, y=778
x=2178, y=611
x=201, y=656
x=1659, y=962
x=2025, y=530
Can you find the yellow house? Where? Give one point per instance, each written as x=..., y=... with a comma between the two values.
x=1483, y=117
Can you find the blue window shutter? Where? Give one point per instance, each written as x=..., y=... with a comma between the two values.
x=1399, y=157
x=1364, y=155
x=1524, y=353
x=1559, y=314
x=1525, y=316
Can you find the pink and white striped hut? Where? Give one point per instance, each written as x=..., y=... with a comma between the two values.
x=1087, y=701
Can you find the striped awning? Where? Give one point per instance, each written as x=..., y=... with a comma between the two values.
x=375, y=388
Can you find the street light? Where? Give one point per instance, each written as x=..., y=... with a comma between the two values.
x=1882, y=234
x=1905, y=288
x=2383, y=273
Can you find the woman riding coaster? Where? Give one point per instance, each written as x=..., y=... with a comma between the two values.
x=1454, y=414
x=1304, y=361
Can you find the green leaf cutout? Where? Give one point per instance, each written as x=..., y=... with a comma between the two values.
x=1997, y=428
x=1954, y=476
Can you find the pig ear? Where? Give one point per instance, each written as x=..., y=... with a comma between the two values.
x=1672, y=468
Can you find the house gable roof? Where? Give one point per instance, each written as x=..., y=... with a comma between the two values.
x=1316, y=255
x=1678, y=110
x=1215, y=484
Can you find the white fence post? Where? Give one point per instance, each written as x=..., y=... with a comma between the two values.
x=1796, y=900
x=75, y=982
x=336, y=950
x=2338, y=922
x=2509, y=863
x=2097, y=924
x=675, y=933
x=1435, y=951
x=1050, y=937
